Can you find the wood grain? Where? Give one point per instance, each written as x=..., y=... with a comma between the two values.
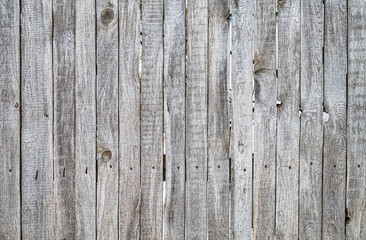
x=10, y=120
x=37, y=119
x=174, y=117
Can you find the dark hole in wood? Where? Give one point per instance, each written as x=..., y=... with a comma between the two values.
x=196, y=166
x=289, y=167
x=335, y=166
x=63, y=174
x=265, y=166
x=36, y=175
x=178, y=167
x=245, y=169
x=358, y=165
x=218, y=166
x=131, y=168
x=311, y=163
x=86, y=171
x=110, y=166
x=9, y=170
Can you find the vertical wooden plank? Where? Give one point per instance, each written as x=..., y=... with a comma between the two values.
x=218, y=197
x=356, y=120
x=85, y=120
x=64, y=113
x=37, y=119
x=335, y=100
x=152, y=120
x=9, y=120
x=107, y=119
x=242, y=119
x=196, y=120
x=288, y=121
x=129, y=120
x=311, y=133
x=265, y=119
x=174, y=117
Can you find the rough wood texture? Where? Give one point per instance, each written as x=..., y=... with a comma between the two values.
x=9, y=120
x=265, y=119
x=218, y=195
x=37, y=119
x=107, y=119
x=356, y=120
x=152, y=120
x=288, y=121
x=174, y=117
x=129, y=120
x=335, y=125
x=311, y=133
x=242, y=119
x=64, y=118
x=85, y=120
x=196, y=120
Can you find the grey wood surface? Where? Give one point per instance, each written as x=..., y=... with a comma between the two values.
x=335, y=124
x=196, y=120
x=85, y=120
x=152, y=111
x=218, y=194
x=107, y=119
x=288, y=120
x=356, y=121
x=265, y=120
x=10, y=120
x=36, y=120
x=242, y=119
x=129, y=119
x=311, y=133
x=64, y=118
x=174, y=117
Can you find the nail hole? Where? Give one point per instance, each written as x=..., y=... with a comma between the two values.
x=46, y=115
x=153, y=167
x=63, y=175
x=245, y=169
x=311, y=163
x=110, y=166
x=106, y=155
x=178, y=167
x=196, y=166
x=358, y=165
x=289, y=167
x=335, y=166
x=218, y=166
x=265, y=166
x=131, y=168
x=86, y=171
x=36, y=175
x=9, y=170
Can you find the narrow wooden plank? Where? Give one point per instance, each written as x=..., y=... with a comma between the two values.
x=9, y=120
x=37, y=119
x=107, y=119
x=129, y=119
x=311, y=133
x=335, y=128
x=265, y=119
x=196, y=120
x=356, y=120
x=174, y=117
x=85, y=120
x=218, y=193
x=242, y=119
x=152, y=120
x=288, y=121
x=64, y=113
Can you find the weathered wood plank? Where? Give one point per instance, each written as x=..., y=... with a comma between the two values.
x=242, y=119
x=356, y=120
x=107, y=119
x=335, y=128
x=152, y=120
x=37, y=119
x=218, y=193
x=129, y=119
x=265, y=119
x=174, y=117
x=64, y=113
x=311, y=133
x=196, y=120
x=9, y=120
x=288, y=121
x=85, y=120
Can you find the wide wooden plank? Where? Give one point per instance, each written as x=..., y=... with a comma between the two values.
x=356, y=120
x=311, y=133
x=242, y=119
x=218, y=194
x=129, y=119
x=174, y=117
x=265, y=119
x=152, y=120
x=196, y=120
x=85, y=120
x=288, y=121
x=37, y=119
x=335, y=128
x=107, y=119
x=9, y=120
x=64, y=118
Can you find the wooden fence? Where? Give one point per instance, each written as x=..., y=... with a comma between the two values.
x=175, y=119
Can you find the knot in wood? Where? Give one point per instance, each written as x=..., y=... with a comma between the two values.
x=106, y=155
x=107, y=16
